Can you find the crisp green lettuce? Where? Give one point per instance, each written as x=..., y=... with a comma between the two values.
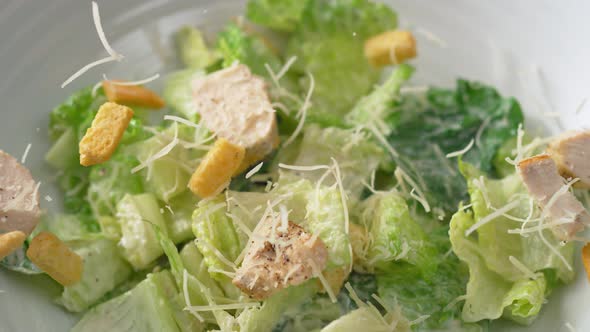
x=269, y=314
x=374, y=108
x=280, y=15
x=110, y=181
x=104, y=269
x=370, y=320
x=138, y=243
x=328, y=42
x=192, y=50
x=393, y=235
x=73, y=112
x=178, y=92
x=144, y=308
x=424, y=130
x=498, y=285
x=357, y=155
x=235, y=45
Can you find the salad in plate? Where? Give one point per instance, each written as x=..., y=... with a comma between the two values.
x=294, y=180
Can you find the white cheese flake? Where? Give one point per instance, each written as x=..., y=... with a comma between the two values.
x=491, y=216
x=254, y=170
x=302, y=112
x=23, y=159
x=462, y=151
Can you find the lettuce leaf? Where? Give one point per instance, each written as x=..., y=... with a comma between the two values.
x=236, y=45
x=424, y=132
x=192, y=50
x=357, y=155
x=393, y=235
x=280, y=15
x=497, y=287
x=328, y=42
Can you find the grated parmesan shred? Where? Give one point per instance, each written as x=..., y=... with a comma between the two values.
x=302, y=112
x=187, y=299
x=113, y=55
x=23, y=159
x=317, y=273
x=254, y=170
x=462, y=151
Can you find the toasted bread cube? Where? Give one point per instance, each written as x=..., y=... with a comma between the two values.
x=105, y=133
x=586, y=259
x=55, y=258
x=11, y=241
x=391, y=47
x=216, y=169
x=134, y=95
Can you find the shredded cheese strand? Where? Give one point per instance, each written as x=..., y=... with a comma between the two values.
x=491, y=216
x=302, y=112
x=231, y=306
x=23, y=159
x=522, y=268
x=164, y=151
x=462, y=151
x=187, y=299
x=318, y=273
x=254, y=170
x=101, y=34
x=86, y=68
x=131, y=83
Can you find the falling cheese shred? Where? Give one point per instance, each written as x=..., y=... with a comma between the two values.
x=164, y=151
x=254, y=170
x=132, y=83
x=23, y=159
x=113, y=55
x=302, y=112
x=462, y=151
x=317, y=273
x=498, y=213
x=231, y=306
x=187, y=299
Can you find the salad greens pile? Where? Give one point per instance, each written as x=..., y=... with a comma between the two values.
x=392, y=209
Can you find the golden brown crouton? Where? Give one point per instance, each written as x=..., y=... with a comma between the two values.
x=216, y=169
x=103, y=136
x=133, y=95
x=55, y=258
x=391, y=47
x=11, y=241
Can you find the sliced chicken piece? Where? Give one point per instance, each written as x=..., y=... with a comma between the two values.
x=571, y=152
x=19, y=197
x=234, y=104
x=542, y=179
x=278, y=258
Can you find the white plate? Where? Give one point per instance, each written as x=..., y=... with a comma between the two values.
x=535, y=50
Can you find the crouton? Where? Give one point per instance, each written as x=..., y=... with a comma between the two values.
x=11, y=241
x=53, y=257
x=105, y=133
x=391, y=47
x=216, y=169
x=132, y=95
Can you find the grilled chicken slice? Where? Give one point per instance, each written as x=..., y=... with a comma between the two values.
x=546, y=186
x=19, y=197
x=571, y=152
x=234, y=104
x=278, y=258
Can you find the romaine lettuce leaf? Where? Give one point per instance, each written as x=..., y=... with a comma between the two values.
x=178, y=92
x=423, y=133
x=144, y=308
x=136, y=214
x=374, y=108
x=236, y=45
x=498, y=284
x=266, y=316
x=110, y=181
x=370, y=320
x=328, y=42
x=393, y=235
x=104, y=269
x=357, y=155
x=192, y=50
x=280, y=15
